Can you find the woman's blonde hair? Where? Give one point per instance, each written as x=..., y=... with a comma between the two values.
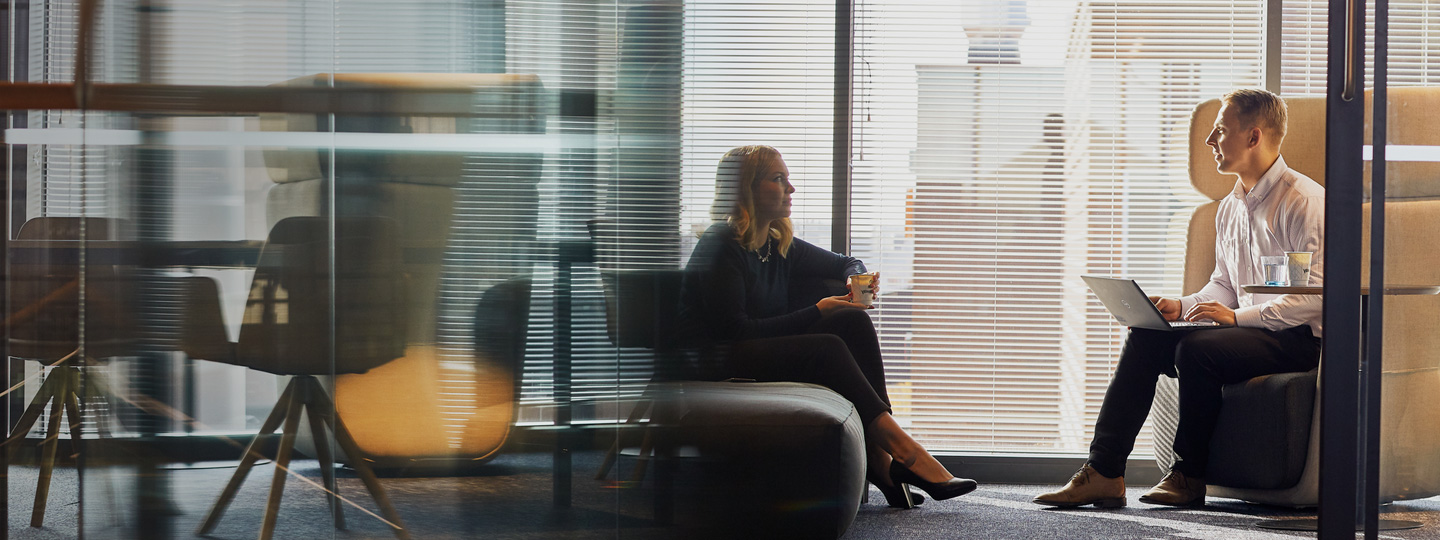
x=735, y=181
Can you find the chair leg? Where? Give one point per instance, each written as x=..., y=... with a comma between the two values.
x=635, y=415
x=73, y=412
x=247, y=460
x=642, y=461
x=47, y=456
x=282, y=464
x=318, y=421
x=362, y=469
x=33, y=412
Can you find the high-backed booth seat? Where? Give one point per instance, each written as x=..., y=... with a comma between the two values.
x=1265, y=447
x=409, y=413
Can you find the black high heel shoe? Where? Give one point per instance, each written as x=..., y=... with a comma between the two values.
x=948, y=489
x=895, y=494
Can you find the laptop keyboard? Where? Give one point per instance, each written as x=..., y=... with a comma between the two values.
x=1192, y=324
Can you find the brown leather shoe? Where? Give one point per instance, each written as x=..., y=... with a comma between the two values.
x=1176, y=490
x=1087, y=487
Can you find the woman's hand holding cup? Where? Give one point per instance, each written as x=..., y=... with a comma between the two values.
x=864, y=288
x=832, y=304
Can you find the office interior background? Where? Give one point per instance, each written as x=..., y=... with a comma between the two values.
x=997, y=151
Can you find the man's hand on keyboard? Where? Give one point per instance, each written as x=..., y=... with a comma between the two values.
x=1213, y=311
x=1169, y=307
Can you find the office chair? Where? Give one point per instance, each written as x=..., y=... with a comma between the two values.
x=45, y=327
x=641, y=311
x=304, y=318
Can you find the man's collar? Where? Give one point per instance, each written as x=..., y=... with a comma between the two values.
x=1266, y=183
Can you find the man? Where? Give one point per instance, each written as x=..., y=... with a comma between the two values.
x=1273, y=209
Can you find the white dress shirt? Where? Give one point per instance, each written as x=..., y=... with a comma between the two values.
x=1284, y=212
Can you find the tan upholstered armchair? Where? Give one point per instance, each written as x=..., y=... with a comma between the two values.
x=1266, y=447
x=426, y=409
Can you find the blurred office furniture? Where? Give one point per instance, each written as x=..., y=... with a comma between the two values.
x=45, y=325
x=790, y=457
x=642, y=311
x=467, y=221
x=306, y=317
x=1265, y=447
x=776, y=460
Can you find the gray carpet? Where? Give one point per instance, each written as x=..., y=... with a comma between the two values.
x=509, y=498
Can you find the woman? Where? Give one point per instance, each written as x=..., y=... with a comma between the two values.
x=735, y=297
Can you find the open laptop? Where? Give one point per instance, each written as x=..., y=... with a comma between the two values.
x=1132, y=307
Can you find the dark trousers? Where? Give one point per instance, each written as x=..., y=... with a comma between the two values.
x=840, y=352
x=1204, y=360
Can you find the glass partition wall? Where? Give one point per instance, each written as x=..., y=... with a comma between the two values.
x=363, y=230
x=418, y=210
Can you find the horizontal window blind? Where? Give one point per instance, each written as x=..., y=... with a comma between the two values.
x=759, y=72
x=1004, y=148
x=1413, y=52
x=603, y=117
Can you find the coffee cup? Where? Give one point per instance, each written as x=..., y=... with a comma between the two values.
x=862, y=288
x=1298, y=264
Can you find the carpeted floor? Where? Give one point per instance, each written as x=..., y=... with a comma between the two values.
x=510, y=498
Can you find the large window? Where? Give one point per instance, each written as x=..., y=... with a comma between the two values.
x=1004, y=148
x=759, y=72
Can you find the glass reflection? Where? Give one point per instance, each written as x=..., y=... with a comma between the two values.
x=360, y=232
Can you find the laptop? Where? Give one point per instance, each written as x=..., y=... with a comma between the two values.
x=1132, y=307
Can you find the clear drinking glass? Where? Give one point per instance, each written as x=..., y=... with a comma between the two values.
x=1276, y=270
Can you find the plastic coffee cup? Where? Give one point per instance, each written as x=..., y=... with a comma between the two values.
x=1275, y=270
x=862, y=288
x=1298, y=263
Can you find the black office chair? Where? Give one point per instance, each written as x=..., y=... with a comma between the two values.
x=44, y=326
x=642, y=311
x=287, y=330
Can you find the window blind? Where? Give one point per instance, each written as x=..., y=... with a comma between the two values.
x=759, y=72
x=605, y=145
x=1414, y=32
x=1004, y=148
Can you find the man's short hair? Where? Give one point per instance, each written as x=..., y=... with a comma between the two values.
x=1259, y=108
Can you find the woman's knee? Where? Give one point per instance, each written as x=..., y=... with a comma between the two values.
x=830, y=346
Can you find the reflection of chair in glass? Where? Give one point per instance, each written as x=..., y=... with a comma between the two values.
x=467, y=220
x=306, y=317
x=641, y=311
x=44, y=293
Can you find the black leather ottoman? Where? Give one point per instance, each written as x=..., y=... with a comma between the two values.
x=776, y=459
x=1263, y=434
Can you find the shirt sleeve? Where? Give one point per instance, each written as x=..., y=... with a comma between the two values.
x=1303, y=228
x=1221, y=286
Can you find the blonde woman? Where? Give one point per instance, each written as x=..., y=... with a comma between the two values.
x=736, y=301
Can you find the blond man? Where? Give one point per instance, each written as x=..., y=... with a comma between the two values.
x=1272, y=209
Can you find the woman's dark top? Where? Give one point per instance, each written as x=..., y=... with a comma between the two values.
x=729, y=294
